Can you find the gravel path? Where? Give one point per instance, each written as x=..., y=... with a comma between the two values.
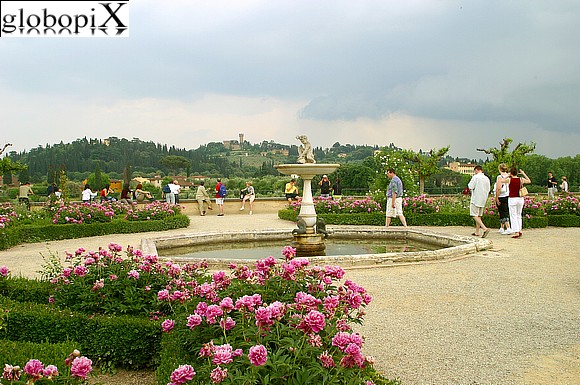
x=510, y=315
x=506, y=316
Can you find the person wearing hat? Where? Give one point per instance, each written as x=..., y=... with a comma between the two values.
x=324, y=187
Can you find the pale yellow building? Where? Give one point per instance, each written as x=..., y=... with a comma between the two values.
x=462, y=168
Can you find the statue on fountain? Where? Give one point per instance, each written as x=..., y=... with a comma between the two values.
x=305, y=152
x=301, y=223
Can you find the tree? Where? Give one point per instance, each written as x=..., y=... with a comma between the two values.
x=8, y=167
x=425, y=165
x=502, y=154
x=175, y=162
x=390, y=158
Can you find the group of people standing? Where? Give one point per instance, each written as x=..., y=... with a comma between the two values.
x=509, y=199
x=553, y=185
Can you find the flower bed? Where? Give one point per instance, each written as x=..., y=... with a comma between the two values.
x=441, y=211
x=277, y=322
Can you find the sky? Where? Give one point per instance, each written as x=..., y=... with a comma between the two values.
x=421, y=74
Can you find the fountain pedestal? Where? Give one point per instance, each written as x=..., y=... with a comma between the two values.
x=309, y=243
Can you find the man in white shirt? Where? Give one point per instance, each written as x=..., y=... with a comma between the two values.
x=479, y=186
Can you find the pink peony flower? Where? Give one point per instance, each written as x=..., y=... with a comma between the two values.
x=81, y=367
x=327, y=360
x=4, y=271
x=182, y=374
x=81, y=271
x=193, y=320
x=218, y=375
x=168, y=325
x=133, y=274
x=50, y=371
x=33, y=368
x=313, y=322
x=222, y=354
x=227, y=324
x=258, y=355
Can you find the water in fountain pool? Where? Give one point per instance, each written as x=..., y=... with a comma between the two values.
x=259, y=250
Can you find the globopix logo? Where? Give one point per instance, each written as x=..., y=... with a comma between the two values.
x=64, y=18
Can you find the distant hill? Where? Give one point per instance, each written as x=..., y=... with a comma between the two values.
x=228, y=159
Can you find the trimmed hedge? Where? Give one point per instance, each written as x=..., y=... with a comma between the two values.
x=18, y=353
x=564, y=220
x=129, y=342
x=435, y=219
x=13, y=236
x=25, y=290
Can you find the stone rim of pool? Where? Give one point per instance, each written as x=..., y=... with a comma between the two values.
x=455, y=246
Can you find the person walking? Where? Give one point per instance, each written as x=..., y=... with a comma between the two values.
x=249, y=195
x=501, y=200
x=220, y=194
x=515, y=201
x=23, y=191
x=394, y=199
x=173, y=189
x=479, y=186
x=202, y=198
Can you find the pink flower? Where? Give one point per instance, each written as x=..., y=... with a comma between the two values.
x=288, y=252
x=193, y=320
x=11, y=373
x=4, y=271
x=98, y=285
x=50, y=371
x=228, y=323
x=327, y=360
x=218, y=375
x=168, y=325
x=227, y=304
x=222, y=354
x=163, y=295
x=258, y=355
x=133, y=274
x=182, y=374
x=81, y=271
x=34, y=368
x=313, y=322
x=81, y=367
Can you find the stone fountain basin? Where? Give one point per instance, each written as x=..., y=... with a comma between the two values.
x=307, y=170
x=453, y=246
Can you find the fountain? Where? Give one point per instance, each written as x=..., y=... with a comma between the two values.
x=308, y=240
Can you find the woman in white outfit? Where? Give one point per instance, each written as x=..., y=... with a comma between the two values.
x=515, y=201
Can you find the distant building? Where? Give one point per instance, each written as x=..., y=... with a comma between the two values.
x=462, y=168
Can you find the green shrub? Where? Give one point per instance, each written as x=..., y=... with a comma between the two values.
x=125, y=341
x=13, y=236
x=564, y=220
x=18, y=353
x=25, y=290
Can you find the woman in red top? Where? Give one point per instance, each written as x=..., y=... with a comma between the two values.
x=515, y=201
